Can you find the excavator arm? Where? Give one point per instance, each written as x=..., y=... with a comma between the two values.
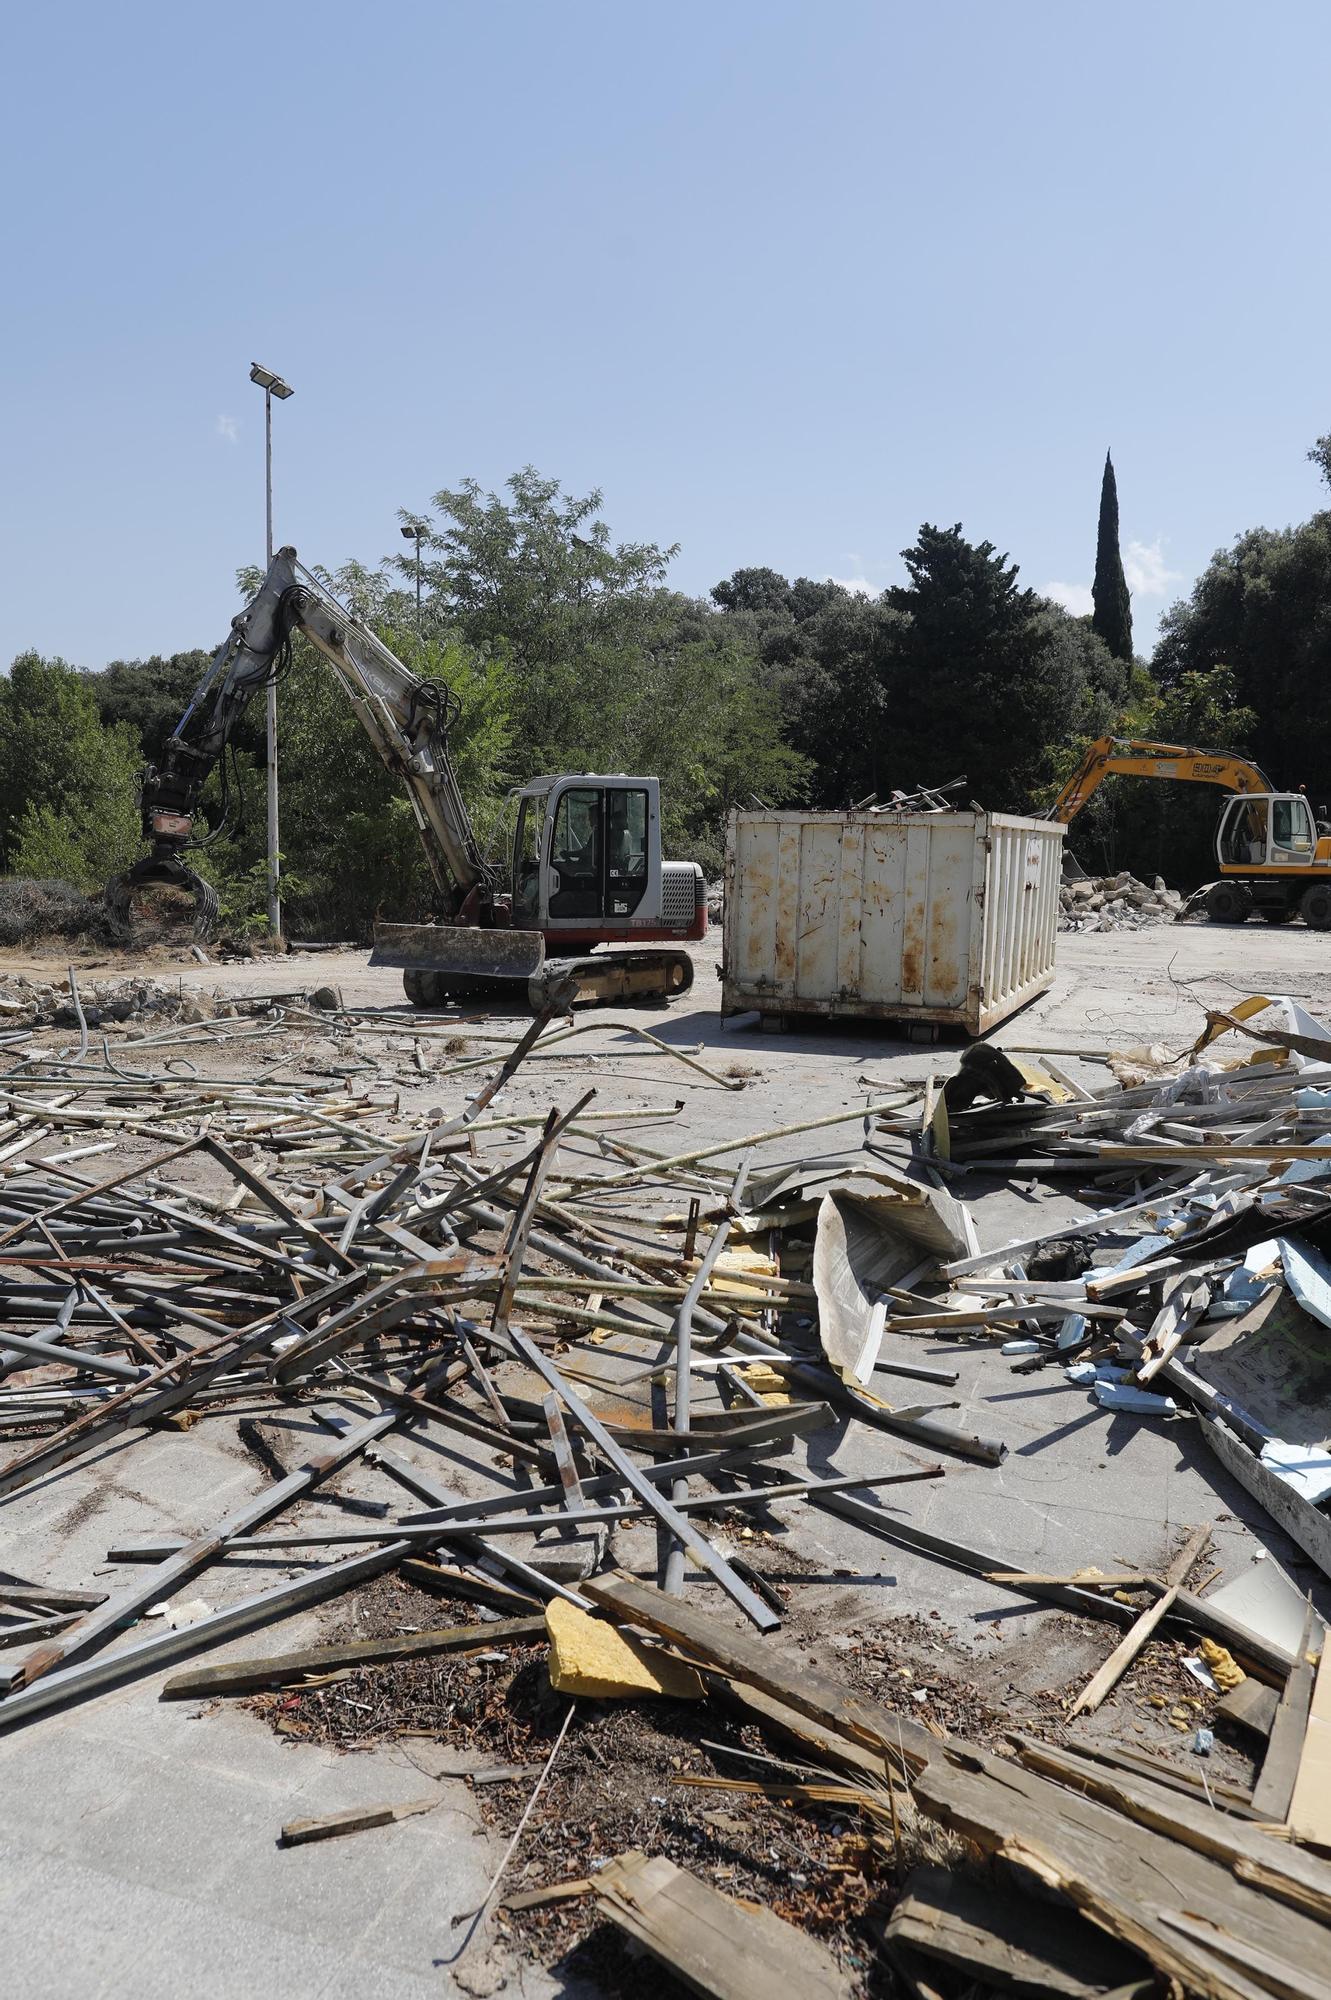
x=406, y=718
x=1135, y=759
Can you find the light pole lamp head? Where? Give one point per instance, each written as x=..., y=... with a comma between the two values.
x=273, y=384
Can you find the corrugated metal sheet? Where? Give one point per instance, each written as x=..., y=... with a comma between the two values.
x=946, y=917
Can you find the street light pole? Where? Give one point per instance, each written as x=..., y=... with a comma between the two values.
x=416, y=530
x=272, y=385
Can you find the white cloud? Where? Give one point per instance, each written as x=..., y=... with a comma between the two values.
x=1074, y=597
x=1145, y=568
x=858, y=586
x=228, y=429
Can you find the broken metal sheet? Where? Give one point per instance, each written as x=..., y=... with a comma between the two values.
x=872, y=1230
x=1306, y=1468
x=1274, y=1360
x=1308, y=1276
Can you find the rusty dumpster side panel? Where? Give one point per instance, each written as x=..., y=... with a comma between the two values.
x=940, y=917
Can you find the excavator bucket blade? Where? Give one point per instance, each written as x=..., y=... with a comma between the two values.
x=463, y=950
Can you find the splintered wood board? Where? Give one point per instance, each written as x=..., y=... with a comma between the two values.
x=717, y=1947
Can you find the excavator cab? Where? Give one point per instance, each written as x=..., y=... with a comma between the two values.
x=1262, y=830
x=587, y=862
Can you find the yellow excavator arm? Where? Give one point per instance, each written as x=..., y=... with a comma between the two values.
x=1134, y=759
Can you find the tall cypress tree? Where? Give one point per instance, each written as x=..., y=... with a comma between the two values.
x=1112, y=618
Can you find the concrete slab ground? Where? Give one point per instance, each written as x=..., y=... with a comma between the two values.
x=137, y=1837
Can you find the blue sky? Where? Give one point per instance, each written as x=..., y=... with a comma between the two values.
x=785, y=280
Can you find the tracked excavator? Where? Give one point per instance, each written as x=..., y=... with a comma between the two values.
x=1274, y=856
x=583, y=890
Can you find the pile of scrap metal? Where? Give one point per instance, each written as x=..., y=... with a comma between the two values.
x=529, y=1361
x=1201, y=1277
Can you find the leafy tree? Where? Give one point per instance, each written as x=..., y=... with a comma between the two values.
x=68, y=785
x=1263, y=609
x=982, y=677
x=149, y=695
x=1112, y=617
x=753, y=590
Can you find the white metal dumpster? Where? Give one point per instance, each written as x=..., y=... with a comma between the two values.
x=926, y=917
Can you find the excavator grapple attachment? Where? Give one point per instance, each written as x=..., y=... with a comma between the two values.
x=158, y=870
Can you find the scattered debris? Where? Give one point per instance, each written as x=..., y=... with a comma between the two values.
x=563, y=1360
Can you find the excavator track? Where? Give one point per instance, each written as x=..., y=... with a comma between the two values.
x=599, y=978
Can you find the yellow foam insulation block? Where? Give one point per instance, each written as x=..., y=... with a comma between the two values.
x=588, y=1656
x=766, y=1383
x=736, y=1264
x=1040, y=1081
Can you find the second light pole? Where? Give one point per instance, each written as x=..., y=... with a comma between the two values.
x=412, y=532
x=272, y=385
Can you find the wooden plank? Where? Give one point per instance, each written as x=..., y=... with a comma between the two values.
x=563, y=1450
x=1122, y=1657
x=1305, y=1524
x=1236, y=1799
x=1274, y=1865
x=249, y=1676
x=444, y=1581
x=553, y=1892
x=1310, y=1807
x=1135, y=1638
x=1078, y=1580
x=1128, y=1877
x=718, y=1948
x=741, y=1657
x=1274, y=1789
x=356, y=1819
x=1252, y=1705
x=1006, y=1939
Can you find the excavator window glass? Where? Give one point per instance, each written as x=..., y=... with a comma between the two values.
x=575, y=854
x=1243, y=834
x=527, y=864
x=1292, y=836
x=626, y=851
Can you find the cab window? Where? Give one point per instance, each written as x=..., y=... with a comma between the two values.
x=1292, y=837
x=527, y=863
x=1243, y=840
x=626, y=851
x=575, y=854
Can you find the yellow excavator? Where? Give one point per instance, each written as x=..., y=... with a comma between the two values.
x=1274, y=856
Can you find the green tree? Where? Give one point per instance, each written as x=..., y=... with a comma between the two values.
x=981, y=677
x=68, y=785
x=1112, y=617
x=149, y=695
x=1263, y=609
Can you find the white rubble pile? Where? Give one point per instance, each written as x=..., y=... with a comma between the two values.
x=37, y=1003
x=1116, y=903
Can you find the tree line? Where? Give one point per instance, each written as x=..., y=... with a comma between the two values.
x=570, y=651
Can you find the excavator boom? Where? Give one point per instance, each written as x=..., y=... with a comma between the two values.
x=406, y=718
x=1129, y=757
